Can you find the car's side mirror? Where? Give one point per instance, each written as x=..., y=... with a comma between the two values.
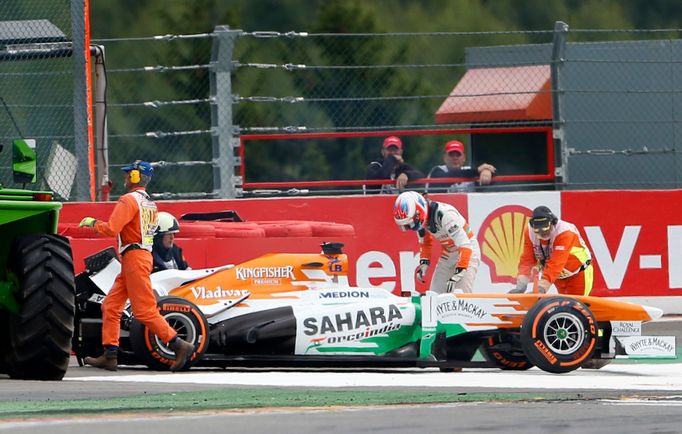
x=24, y=161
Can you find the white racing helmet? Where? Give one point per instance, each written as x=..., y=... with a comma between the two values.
x=167, y=224
x=410, y=211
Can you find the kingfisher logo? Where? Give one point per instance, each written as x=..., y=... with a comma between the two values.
x=286, y=272
x=501, y=240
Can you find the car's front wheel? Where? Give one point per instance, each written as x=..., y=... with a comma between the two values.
x=559, y=334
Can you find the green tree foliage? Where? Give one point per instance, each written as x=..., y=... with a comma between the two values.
x=336, y=99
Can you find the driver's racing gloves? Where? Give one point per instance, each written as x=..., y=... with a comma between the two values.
x=422, y=269
x=454, y=280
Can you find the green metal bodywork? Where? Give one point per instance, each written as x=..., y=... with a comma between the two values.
x=21, y=214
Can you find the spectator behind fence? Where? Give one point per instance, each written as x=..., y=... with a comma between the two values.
x=391, y=165
x=454, y=159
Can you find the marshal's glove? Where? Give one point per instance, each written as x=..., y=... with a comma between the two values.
x=543, y=286
x=87, y=221
x=517, y=290
x=454, y=280
x=422, y=269
x=521, y=285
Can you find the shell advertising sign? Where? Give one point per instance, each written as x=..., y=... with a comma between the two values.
x=498, y=220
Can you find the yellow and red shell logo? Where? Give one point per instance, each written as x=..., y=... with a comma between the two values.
x=501, y=240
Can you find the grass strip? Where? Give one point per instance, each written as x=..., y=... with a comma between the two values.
x=227, y=399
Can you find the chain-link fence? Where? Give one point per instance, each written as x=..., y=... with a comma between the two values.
x=609, y=98
x=159, y=109
x=37, y=89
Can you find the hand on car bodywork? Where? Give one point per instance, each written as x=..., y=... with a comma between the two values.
x=521, y=285
x=422, y=269
x=543, y=286
x=454, y=280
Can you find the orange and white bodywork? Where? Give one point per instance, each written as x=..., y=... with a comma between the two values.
x=292, y=306
x=483, y=311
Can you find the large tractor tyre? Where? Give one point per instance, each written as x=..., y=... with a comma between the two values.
x=187, y=320
x=499, y=351
x=559, y=334
x=40, y=334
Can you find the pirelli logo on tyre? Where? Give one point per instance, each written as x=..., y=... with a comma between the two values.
x=172, y=307
x=501, y=240
x=545, y=351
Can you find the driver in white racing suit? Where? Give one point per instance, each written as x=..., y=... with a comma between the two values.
x=460, y=253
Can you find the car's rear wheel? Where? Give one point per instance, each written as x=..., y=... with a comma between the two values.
x=559, y=334
x=500, y=350
x=39, y=335
x=187, y=320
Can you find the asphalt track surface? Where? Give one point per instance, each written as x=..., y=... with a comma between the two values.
x=620, y=397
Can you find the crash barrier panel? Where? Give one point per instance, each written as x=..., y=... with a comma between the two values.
x=238, y=230
x=292, y=228
x=213, y=243
x=635, y=253
x=196, y=230
x=258, y=229
x=323, y=229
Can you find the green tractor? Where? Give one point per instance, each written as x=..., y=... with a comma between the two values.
x=37, y=289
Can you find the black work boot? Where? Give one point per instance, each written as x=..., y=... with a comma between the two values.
x=108, y=360
x=183, y=351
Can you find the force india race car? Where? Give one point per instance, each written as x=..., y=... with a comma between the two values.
x=299, y=310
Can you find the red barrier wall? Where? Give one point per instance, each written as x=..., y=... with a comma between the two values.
x=635, y=236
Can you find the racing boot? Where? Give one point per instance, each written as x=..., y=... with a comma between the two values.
x=108, y=360
x=183, y=351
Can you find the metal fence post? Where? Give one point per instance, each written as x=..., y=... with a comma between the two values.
x=224, y=132
x=80, y=102
x=560, y=149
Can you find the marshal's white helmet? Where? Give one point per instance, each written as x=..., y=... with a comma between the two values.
x=167, y=224
x=410, y=211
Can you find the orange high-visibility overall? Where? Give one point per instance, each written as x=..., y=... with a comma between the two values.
x=564, y=259
x=133, y=220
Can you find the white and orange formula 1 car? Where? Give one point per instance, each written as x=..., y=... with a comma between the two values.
x=299, y=310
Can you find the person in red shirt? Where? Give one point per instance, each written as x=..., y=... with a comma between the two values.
x=133, y=221
x=557, y=251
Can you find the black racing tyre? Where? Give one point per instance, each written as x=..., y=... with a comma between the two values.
x=499, y=350
x=559, y=334
x=39, y=344
x=595, y=363
x=186, y=318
